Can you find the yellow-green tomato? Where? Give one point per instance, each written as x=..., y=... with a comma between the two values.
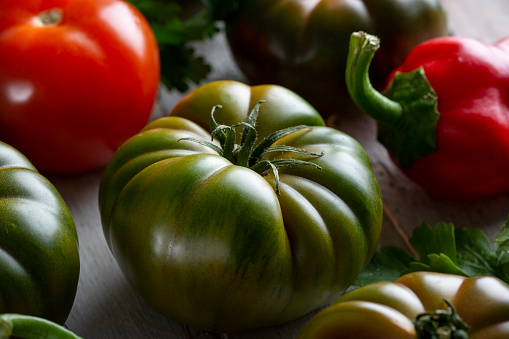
x=208, y=242
x=390, y=309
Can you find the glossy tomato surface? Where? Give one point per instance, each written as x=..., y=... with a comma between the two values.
x=77, y=78
x=303, y=45
x=39, y=259
x=388, y=309
x=210, y=243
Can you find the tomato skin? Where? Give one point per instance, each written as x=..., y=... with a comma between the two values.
x=71, y=93
x=210, y=244
x=303, y=45
x=39, y=259
x=389, y=308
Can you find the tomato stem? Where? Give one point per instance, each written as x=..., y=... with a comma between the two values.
x=50, y=17
x=30, y=327
x=243, y=154
x=441, y=324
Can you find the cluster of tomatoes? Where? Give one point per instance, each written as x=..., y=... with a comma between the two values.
x=273, y=218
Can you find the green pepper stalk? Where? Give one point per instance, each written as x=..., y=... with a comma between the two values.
x=406, y=112
x=30, y=327
x=441, y=324
x=245, y=154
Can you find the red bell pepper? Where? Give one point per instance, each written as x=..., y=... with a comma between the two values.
x=444, y=117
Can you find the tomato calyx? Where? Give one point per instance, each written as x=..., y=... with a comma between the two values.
x=246, y=154
x=50, y=17
x=441, y=324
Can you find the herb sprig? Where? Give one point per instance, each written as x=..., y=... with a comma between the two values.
x=445, y=249
x=176, y=33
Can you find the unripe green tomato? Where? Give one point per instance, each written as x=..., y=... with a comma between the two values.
x=210, y=243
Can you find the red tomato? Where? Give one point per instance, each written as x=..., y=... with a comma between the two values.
x=77, y=78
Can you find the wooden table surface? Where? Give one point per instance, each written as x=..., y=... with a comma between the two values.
x=106, y=306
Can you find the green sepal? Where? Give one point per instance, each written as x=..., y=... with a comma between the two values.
x=414, y=135
x=265, y=165
x=269, y=140
x=243, y=154
x=208, y=144
x=441, y=324
x=214, y=127
x=284, y=148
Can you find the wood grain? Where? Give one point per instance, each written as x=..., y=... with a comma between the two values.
x=107, y=307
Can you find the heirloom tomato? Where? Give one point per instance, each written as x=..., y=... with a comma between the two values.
x=227, y=237
x=418, y=305
x=303, y=45
x=77, y=78
x=39, y=259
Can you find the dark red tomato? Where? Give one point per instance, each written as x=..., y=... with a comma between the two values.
x=77, y=78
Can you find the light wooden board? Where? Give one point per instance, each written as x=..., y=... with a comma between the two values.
x=107, y=307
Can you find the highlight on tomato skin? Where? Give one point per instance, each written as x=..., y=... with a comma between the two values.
x=78, y=78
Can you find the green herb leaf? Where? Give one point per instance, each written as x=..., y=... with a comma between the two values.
x=502, y=239
x=180, y=67
x=478, y=257
x=444, y=249
x=426, y=241
x=435, y=263
x=386, y=265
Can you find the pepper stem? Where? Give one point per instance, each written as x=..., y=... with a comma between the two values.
x=361, y=51
x=406, y=112
x=441, y=324
x=30, y=327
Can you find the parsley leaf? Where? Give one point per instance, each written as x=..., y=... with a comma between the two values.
x=502, y=239
x=386, y=265
x=444, y=249
x=175, y=34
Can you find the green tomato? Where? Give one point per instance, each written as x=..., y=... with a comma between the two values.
x=209, y=242
x=39, y=259
x=406, y=307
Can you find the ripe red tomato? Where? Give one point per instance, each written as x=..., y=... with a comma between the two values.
x=77, y=78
